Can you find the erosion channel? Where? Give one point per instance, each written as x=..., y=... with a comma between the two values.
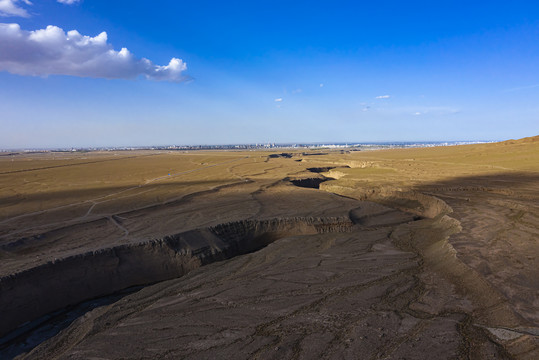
x=271, y=257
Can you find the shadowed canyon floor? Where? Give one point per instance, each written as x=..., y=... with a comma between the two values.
x=395, y=254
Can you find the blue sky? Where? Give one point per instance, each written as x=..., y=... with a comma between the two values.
x=266, y=71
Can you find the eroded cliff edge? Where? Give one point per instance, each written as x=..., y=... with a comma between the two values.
x=43, y=289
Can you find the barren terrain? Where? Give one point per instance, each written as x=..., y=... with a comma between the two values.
x=394, y=254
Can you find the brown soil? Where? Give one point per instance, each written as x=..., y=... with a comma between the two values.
x=416, y=253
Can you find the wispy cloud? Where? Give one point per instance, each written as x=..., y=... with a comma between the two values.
x=428, y=111
x=279, y=100
x=297, y=91
x=51, y=51
x=321, y=85
x=431, y=110
x=12, y=8
x=383, y=97
x=68, y=2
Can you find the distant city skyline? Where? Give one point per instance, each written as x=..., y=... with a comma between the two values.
x=97, y=73
x=277, y=146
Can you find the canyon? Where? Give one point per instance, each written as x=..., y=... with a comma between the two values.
x=254, y=254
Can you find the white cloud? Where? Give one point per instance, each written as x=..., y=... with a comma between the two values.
x=279, y=99
x=321, y=85
x=383, y=97
x=417, y=113
x=68, y=2
x=51, y=51
x=11, y=8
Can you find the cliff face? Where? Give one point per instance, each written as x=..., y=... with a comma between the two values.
x=46, y=288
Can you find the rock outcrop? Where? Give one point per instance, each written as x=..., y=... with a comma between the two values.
x=52, y=286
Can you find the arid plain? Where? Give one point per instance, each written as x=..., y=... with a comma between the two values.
x=326, y=254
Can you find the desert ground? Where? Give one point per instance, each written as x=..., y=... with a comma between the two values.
x=428, y=253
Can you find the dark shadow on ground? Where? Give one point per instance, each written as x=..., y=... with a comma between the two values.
x=28, y=336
